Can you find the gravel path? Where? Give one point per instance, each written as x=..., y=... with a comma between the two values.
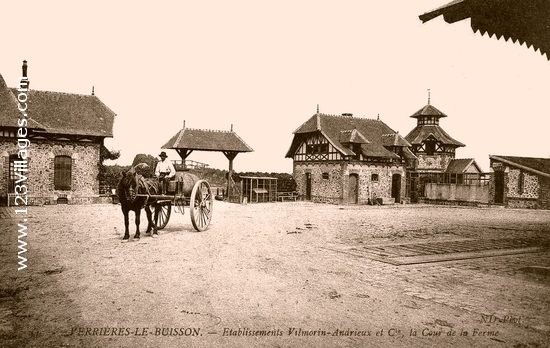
x=271, y=275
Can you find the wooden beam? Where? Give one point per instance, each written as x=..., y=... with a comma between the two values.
x=184, y=153
x=230, y=156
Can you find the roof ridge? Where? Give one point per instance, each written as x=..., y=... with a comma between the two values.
x=350, y=117
x=543, y=158
x=56, y=92
x=209, y=130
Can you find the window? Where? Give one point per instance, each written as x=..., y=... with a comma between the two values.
x=357, y=149
x=325, y=176
x=374, y=177
x=12, y=176
x=430, y=148
x=521, y=182
x=317, y=148
x=62, y=172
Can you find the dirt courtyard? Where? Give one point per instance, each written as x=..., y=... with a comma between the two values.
x=290, y=274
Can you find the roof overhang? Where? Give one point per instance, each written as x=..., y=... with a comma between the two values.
x=526, y=21
x=521, y=166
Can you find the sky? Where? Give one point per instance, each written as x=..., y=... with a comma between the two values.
x=263, y=67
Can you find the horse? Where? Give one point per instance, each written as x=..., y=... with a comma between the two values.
x=128, y=187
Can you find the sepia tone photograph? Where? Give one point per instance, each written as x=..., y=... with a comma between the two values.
x=275, y=174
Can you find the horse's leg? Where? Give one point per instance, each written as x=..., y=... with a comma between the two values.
x=125, y=212
x=138, y=213
x=157, y=209
x=150, y=223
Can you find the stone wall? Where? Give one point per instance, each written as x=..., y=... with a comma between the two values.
x=522, y=203
x=457, y=192
x=322, y=190
x=40, y=182
x=536, y=188
x=335, y=188
x=544, y=197
x=530, y=187
x=437, y=162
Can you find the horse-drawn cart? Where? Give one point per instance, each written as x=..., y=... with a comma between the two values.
x=185, y=189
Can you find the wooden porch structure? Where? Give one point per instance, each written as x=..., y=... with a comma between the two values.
x=229, y=143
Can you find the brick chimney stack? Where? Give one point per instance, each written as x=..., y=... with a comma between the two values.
x=25, y=73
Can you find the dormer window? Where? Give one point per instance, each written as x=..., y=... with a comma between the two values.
x=356, y=148
x=430, y=148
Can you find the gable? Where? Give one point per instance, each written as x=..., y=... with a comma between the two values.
x=463, y=165
x=340, y=131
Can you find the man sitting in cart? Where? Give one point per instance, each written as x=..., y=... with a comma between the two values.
x=164, y=172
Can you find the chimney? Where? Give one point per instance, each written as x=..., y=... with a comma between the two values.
x=24, y=81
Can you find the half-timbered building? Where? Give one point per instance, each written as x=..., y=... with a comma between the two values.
x=346, y=159
x=433, y=147
x=66, y=134
x=436, y=165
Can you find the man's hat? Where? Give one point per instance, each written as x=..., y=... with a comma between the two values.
x=163, y=154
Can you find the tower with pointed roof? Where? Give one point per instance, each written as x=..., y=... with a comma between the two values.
x=433, y=147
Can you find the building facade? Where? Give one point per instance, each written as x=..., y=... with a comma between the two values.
x=437, y=172
x=65, y=134
x=345, y=159
x=520, y=182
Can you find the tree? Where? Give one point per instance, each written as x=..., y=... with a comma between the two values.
x=105, y=176
x=151, y=162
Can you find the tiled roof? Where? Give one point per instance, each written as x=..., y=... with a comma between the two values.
x=522, y=21
x=60, y=113
x=408, y=154
x=377, y=150
x=420, y=133
x=428, y=110
x=460, y=165
x=394, y=139
x=9, y=113
x=332, y=127
x=352, y=136
x=529, y=163
x=207, y=140
x=68, y=113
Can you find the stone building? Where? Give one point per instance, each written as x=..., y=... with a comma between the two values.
x=433, y=147
x=435, y=152
x=520, y=182
x=66, y=134
x=346, y=159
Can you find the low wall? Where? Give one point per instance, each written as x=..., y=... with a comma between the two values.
x=52, y=200
x=457, y=192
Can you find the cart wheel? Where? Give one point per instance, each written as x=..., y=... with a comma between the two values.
x=200, y=205
x=164, y=215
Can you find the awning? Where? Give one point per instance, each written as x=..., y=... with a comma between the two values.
x=525, y=21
